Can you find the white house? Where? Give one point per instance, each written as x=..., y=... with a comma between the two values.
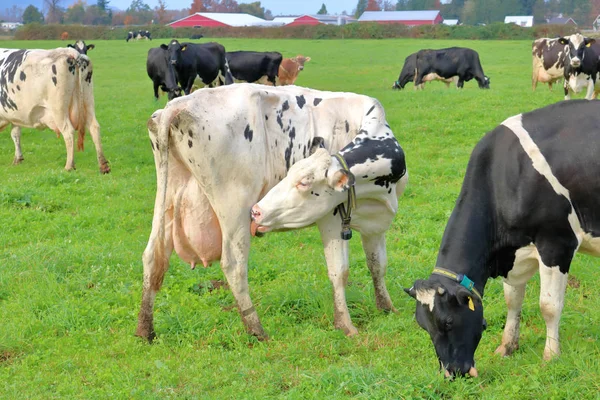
x=521, y=20
x=8, y=26
x=450, y=22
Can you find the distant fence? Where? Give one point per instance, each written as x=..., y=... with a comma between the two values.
x=496, y=31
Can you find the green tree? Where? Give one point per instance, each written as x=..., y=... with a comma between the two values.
x=253, y=9
x=323, y=10
x=360, y=8
x=140, y=12
x=32, y=14
x=75, y=13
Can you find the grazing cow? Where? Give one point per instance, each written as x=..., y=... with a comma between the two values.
x=548, y=61
x=144, y=35
x=64, y=36
x=162, y=73
x=581, y=70
x=196, y=36
x=290, y=68
x=131, y=35
x=213, y=166
x=254, y=66
x=206, y=61
x=49, y=88
x=408, y=75
x=451, y=62
x=81, y=47
x=528, y=202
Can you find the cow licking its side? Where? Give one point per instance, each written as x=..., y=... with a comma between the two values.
x=528, y=203
x=450, y=62
x=53, y=89
x=162, y=73
x=408, y=75
x=581, y=66
x=290, y=68
x=548, y=61
x=206, y=61
x=213, y=166
x=254, y=66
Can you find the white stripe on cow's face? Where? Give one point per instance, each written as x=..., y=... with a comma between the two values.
x=426, y=297
x=515, y=124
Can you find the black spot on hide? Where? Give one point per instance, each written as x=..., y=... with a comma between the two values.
x=316, y=101
x=54, y=69
x=347, y=127
x=190, y=144
x=285, y=106
x=22, y=76
x=54, y=80
x=301, y=101
x=248, y=133
x=370, y=109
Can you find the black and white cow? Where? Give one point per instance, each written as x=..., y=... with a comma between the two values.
x=131, y=35
x=53, y=89
x=81, y=47
x=254, y=66
x=528, y=203
x=450, y=62
x=206, y=61
x=162, y=73
x=581, y=66
x=408, y=75
x=213, y=166
x=548, y=61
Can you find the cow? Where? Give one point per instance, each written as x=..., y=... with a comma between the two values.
x=526, y=204
x=162, y=73
x=206, y=61
x=450, y=62
x=548, y=61
x=290, y=68
x=408, y=75
x=581, y=70
x=213, y=166
x=144, y=35
x=81, y=47
x=131, y=35
x=53, y=89
x=64, y=36
x=196, y=36
x=137, y=35
x=254, y=66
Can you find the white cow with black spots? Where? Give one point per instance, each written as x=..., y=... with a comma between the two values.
x=53, y=89
x=218, y=151
x=528, y=203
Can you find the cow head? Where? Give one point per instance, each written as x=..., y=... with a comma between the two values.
x=453, y=317
x=576, y=44
x=174, y=50
x=81, y=47
x=486, y=82
x=313, y=187
x=300, y=60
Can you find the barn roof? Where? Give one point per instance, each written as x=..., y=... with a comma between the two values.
x=425, y=15
x=450, y=22
x=231, y=19
x=561, y=20
x=521, y=20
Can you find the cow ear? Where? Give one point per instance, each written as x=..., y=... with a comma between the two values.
x=71, y=46
x=563, y=40
x=90, y=46
x=341, y=180
x=589, y=41
x=317, y=143
x=464, y=297
x=307, y=59
x=184, y=47
x=164, y=47
x=411, y=292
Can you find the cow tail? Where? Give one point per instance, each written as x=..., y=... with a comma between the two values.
x=161, y=259
x=84, y=67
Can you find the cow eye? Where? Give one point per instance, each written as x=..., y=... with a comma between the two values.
x=448, y=324
x=303, y=185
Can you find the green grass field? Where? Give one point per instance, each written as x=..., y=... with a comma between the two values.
x=71, y=245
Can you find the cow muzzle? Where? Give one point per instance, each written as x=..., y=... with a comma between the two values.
x=257, y=216
x=575, y=62
x=466, y=370
x=173, y=62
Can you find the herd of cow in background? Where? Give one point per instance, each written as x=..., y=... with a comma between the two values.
x=286, y=157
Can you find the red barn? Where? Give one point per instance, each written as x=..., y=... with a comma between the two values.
x=321, y=19
x=409, y=18
x=217, y=19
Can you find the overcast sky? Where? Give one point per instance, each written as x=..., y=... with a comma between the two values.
x=277, y=7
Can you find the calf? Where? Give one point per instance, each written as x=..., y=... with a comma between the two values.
x=548, y=61
x=213, y=166
x=581, y=71
x=290, y=68
x=81, y=47
x=254, y=66
x=528, y=203
x=408, y=75
x=49, y=88
x=206, y=61
x=450, y=62
x=64, y=36
x=162, y=73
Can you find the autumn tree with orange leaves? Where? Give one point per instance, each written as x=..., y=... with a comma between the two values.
x=374, y=5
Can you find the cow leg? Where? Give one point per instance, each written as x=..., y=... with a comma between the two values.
x=68, y=136
x=156, y=86
x=94, y=129
x=553, y=285
x=567, y=91
x=15, y=134
x=550, y=85
x=376, y=254
x=336, y=256
x=156, y=263
x=460, y=83
x=590, y=90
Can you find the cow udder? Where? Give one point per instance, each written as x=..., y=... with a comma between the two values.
x=196, y=231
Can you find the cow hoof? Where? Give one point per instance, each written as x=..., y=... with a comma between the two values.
x=550, y=355
x=506, y=350
x=18, y=160
x=104, y=169
x=144, y=334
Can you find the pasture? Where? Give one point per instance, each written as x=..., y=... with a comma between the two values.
x=71, y=246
